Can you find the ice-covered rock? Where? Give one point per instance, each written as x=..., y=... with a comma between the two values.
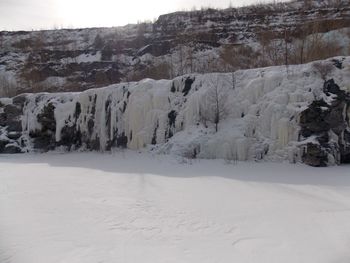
x=274, y=113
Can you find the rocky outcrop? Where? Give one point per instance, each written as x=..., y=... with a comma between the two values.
x=11, y=126
x=328, y=123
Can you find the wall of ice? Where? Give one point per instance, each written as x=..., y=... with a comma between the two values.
x=259, y=120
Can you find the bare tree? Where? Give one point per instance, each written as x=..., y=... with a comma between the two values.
x=215, y=106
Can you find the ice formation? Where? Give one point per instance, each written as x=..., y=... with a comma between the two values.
x=262, y=109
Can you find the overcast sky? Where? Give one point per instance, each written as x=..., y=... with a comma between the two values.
x=49, y=14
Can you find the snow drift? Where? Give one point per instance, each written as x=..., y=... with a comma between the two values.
x=260, y=114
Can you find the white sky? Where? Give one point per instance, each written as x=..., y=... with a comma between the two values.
x=49, y=14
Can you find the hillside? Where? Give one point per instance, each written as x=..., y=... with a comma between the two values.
x=202, y=41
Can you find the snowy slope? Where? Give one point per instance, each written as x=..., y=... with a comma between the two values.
x=89, y=207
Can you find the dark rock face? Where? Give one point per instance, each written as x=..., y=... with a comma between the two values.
x=3, y=119
x=122, y=141
x=44, y=139
x=329, y=124
x=14, y=125
x=12, y=111
x=70, y=136
x=91, y=125
x=11, y=125
x=3, y=144
x=337, y=63
x=154, y=138
x=173, y=89
x=171, y=118
x=14, y=135
x=188, y=85
x=345, y=150
x=315, y=155
x=312, y=120
x=12, y=118
x=47, y=118
x=19, y=101
x=77, y=110
x=11, y=149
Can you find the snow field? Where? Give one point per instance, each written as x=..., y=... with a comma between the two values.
x=131, y=207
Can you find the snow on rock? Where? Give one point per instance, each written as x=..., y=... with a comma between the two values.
x=259, y=115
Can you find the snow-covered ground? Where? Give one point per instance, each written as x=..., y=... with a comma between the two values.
x=130, y=207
